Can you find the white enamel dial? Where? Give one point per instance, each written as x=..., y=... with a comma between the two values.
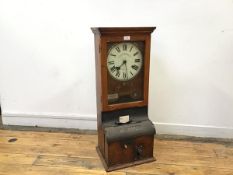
x=124, y=61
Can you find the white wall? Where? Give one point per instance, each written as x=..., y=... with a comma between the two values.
x=47, y=75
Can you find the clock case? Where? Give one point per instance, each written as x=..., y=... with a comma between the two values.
x=122, y=145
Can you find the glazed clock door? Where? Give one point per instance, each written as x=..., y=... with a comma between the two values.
x=125, y=71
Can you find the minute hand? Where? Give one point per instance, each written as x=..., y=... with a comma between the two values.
x=126, y=69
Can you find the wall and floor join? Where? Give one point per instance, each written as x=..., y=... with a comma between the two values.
x=47, y=67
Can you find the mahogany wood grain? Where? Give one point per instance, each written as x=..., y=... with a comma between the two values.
x=104, y=84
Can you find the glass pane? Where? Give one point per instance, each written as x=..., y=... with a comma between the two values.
x=125, y=72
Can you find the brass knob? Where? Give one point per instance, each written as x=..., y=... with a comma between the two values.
x=125, y=146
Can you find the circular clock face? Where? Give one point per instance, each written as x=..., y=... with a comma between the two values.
x=124, y=61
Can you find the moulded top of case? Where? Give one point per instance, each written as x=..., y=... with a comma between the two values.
x=122, y=30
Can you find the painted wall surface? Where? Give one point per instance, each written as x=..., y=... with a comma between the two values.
x=47, y=68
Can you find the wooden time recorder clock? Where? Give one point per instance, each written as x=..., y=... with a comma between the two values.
x=125, y=133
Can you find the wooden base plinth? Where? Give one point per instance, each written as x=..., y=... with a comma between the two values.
x=116, y=167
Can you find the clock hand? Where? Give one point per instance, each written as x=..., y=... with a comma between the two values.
x=126, y=69
x=118, y=68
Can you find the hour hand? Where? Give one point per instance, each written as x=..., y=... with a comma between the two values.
x=118, y=68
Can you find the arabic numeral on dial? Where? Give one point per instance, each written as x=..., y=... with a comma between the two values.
x=137, y=60
x=111, y=62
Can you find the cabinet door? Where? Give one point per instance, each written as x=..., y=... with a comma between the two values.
x=120, y=152
x=143, y=147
